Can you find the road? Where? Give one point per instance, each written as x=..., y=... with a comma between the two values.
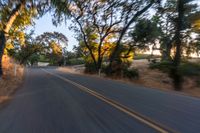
x=50, y=101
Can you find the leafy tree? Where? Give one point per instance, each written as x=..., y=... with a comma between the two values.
x=184, y=10
x=95, y=21
x=132, y=10
x=55, y=54
x=15, y=15
x=28, y=53
x=145, y=33
x=53, y=43
x=166, y=16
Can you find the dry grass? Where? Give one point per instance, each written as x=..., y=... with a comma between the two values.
x=151, y=78
x=156, y=79
x=10, y=82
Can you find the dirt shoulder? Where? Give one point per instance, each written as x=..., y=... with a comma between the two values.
x=150, y=78
x=10, y=82
x=156, y=79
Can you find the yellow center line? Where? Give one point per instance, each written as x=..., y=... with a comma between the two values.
x=136, y=115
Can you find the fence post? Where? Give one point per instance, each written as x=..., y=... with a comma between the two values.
x=99, y=72
x=15, y=70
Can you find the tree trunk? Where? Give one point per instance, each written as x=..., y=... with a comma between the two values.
x=166, y=54
x=2, y=45
x=99, y=64
x=177, y=58
x=87, y=45
x=6, y=29
x=13, y=16
x=176, y=75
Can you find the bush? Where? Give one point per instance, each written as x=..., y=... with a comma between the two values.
x=121, y=70
x=190, y=69
x=130, y=73
x=117, y=68
x=90, y=67
x=145, y=56
x=75, y=61
x=164, y=66
x=185, y=69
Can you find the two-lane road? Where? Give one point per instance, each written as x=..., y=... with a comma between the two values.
x=50, y=101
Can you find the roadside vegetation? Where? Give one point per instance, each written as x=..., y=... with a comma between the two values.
x=12, y=78
x=112, y=35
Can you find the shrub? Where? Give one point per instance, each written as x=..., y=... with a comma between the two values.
x=190, y=69
x=75, y=61
x=185, y=69
x=130, y=73
x=90, y=67
x=145, y=56
x=164, y=66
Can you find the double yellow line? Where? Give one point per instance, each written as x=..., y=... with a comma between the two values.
x=158, y=127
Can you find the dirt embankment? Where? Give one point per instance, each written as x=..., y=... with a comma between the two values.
x=12, y=78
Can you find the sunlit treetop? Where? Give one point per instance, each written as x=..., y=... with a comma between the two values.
x=48, y=37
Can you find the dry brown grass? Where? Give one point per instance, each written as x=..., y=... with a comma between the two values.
x=156, y=79
x=151, y=78
x=10, y=82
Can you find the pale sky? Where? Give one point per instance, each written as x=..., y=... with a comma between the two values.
x=44, y=24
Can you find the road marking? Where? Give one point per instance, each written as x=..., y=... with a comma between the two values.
x=160, y=128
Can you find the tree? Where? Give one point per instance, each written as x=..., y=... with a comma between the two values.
x=10, y=15
x=97, y=19
x=184, y=10
x=53, y=43
x=27, y=53
x=132, y=11
x=145, y=33
x=48, y=37
x=166, y=16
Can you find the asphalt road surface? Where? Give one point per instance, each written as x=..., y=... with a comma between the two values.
x=51, y=101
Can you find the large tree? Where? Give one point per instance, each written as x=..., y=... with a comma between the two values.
x=185, y=10
x=132, y=10
x=11, y=12
x=96, y=18
x=53, y=44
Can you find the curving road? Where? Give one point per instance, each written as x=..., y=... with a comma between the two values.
x=51, y=101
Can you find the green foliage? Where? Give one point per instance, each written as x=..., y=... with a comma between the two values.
x=130, y=73
x=164, y=66
x=75, y=61
x=28, y=53
x=145, y=56
x=145, y=31
x=48, y=37
x=186, y=68
x=55, y=53
x=34, y=58
x=54, y=44
x=43, y=58
x=190, y=69
x=90, y=67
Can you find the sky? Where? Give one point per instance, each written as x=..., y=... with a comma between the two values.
x=44, y=24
